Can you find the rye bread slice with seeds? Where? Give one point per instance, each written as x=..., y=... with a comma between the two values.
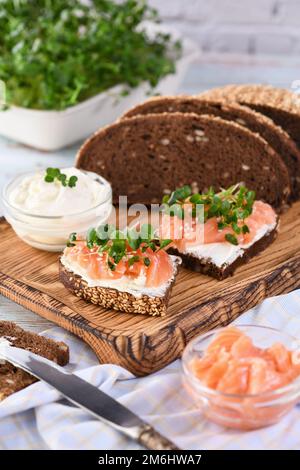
x=13, y=379
x=115, y=299
x=146, y=156
x=256, y=122
x=281, y=105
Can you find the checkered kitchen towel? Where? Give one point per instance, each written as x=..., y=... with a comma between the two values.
x=35, y=418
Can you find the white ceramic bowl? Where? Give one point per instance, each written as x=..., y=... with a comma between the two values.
x=52, y=130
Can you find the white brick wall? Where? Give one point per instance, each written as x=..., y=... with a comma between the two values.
x=238, y=26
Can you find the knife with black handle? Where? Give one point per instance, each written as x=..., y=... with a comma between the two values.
x=88, y=397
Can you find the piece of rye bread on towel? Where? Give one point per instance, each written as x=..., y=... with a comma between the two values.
x=256, y=122
x=145, y=157
x=13, y=379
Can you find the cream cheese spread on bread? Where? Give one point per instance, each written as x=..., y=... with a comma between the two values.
x=225, y=253
x=135, y=286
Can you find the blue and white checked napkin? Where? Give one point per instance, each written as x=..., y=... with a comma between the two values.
x=35, y=418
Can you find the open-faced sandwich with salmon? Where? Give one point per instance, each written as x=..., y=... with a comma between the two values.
x=128, y=271
x=215, y=232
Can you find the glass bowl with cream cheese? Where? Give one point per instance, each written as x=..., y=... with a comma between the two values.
x=43, y=214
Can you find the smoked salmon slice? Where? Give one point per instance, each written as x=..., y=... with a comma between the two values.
x=157, y=270
x=233, y=364
x=239, y=379
x=190, y=233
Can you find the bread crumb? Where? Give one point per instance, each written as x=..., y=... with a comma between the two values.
x=199, y=132
x=195, y=187
x=210, y=166
x=190, y=138
x=270, y=150
x=245, y=167
x=165, y=141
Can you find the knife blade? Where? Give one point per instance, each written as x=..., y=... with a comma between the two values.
x=87, y=397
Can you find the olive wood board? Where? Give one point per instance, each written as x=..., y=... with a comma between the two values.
x=144, y=344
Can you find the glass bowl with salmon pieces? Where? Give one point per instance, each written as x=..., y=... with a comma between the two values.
x=243, y=377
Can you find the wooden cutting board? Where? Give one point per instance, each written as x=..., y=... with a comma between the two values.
x=140, y=343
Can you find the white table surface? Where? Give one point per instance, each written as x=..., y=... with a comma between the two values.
x=208, y=72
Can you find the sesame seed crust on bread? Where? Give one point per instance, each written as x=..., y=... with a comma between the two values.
x=279, y=104
x=144, y=157
x=260, y=94
x=115, y=299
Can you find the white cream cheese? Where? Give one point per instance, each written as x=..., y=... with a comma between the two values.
x=37, y=197
x=225, y=253
x=134, y=286
x=44, y=214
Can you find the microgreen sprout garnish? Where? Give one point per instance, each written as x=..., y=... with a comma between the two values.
x=53, y=174
x=72, y=239
x=131, y=245
x=230, y=206
x=57, y=53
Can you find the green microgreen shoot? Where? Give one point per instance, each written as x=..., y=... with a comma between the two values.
x=231, y=239
x=130, y=246
x=72, y=239
x=147, y=261
x=230, y=206
x=55, y=54
x=53, y=174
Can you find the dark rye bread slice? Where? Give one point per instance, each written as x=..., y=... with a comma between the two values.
x=115, y=299
x=281, y=105
x=207, y=267
x=13, y=379
x=256, y=122
x=146, y=156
